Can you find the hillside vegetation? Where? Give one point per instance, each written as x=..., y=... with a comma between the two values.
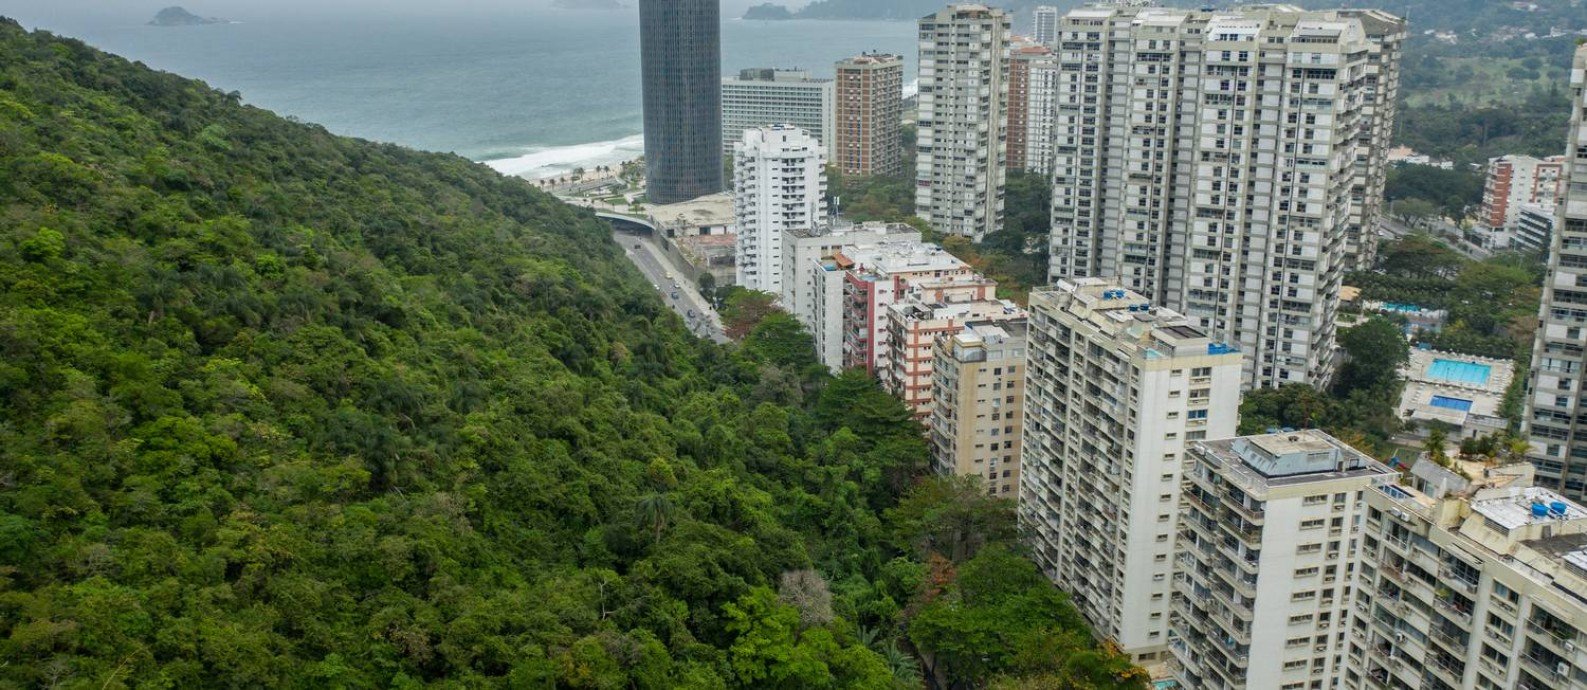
x=285, y=409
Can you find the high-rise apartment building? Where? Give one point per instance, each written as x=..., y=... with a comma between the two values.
x=1380, y=108
x=1115, y=390
x=1046, y=29
x=766, y=97
x=1514, y=181
x=977, y=414
x=1266, y=556
x=961, y=146
x=779, y=184
x=1211, y=160
x=1554, y=403
x=1470, y=578
x=681, y=64
x=1032, y=107
x=868, y=126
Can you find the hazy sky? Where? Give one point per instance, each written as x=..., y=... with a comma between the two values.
x=43, y=10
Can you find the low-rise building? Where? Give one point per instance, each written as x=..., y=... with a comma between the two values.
x=1265, y=559
x=914, y=325
x=874, y=279
x=1534, y=227
x=812, y=288
x=977, y=416
x=1471, y=577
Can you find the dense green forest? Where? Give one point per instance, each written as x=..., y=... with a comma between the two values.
x=285, y=409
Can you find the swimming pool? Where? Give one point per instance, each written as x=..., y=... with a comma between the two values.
x=1458, y=404
x=1457, y=371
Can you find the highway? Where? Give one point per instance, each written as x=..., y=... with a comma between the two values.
x=684, y=298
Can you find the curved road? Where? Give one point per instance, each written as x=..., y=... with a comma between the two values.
x=674, y=287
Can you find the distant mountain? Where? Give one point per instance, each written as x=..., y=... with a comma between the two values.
x=768, y=10
x=178, y=16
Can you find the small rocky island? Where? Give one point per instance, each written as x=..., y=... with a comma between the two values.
x=768, y=10
x=178, y=16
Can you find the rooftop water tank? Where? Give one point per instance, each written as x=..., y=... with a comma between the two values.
x=1558, y=508
x=1539, y=510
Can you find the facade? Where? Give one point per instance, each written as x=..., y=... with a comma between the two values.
x=681, y=64
x=929, y=312
x=877, y=277
x=812, y=286
x=1046, y=29
x=977, y=418
x=1467, y=581
x=1534, y=227
x=1559, y=365
x=1514, y=181
x=765, y=97
x=1032, y=84
x=1266, y=557
x=1380, y=110
x=1115, y=390
x=1212, y=161
x=779, y=184
x=961, y=138
x=868, y=126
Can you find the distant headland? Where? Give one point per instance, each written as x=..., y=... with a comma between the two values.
x=178, y=16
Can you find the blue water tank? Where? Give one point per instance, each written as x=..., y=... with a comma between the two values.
x=1558, y=508
x=1539, y=510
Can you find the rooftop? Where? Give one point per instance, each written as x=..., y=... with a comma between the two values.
x=903, y=257
x=1519, y=506
x=1127, y=316
x=712, y=209
x=1293, y=458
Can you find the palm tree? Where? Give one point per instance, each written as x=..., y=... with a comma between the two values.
x=904, y=667
x=1436, y=436
x=655, y=511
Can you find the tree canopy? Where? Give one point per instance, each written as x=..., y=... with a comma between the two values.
x=285, y=409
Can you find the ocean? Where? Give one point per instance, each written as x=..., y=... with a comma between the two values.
x=533, y=92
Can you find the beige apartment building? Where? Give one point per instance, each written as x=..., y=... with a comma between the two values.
x=977, y=418
x=1471, y=578
x=1266, y=555
x=1116, y=390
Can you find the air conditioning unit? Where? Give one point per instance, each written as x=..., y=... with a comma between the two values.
x=1570, y=646
x=1563, y=669
x=1399, y=637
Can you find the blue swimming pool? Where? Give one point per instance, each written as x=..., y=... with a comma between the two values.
x=1459, y=372
x=1447, y=403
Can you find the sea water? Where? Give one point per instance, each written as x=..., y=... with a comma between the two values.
x=534, y=92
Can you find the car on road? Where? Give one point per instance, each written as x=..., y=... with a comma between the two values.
x=675, y=294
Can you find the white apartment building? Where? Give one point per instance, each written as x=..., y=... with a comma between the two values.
x=1046, y=29
x=977, y=413
x=1559, y=358
x=764, y=97
x=1471, y=578
x=1032, y=107
x=779, y=184
x=1041, y=115
x=812, y=286
x=1211, y=161
x=1267, y=552
x=1115, y=391
x=959, y=167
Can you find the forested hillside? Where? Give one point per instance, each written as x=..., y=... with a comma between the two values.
x=285, y=409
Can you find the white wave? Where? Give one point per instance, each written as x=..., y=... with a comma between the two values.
x=558, y=160
x=912, y=89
